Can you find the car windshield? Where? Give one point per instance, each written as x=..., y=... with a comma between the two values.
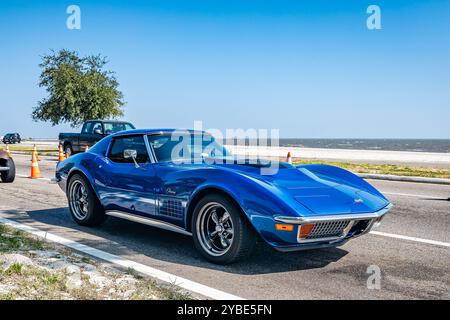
x=186, y=147
x=113, y=127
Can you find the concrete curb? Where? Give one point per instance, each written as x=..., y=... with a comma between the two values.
x=404, y=178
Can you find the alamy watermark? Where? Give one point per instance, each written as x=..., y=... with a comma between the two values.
x=258, y=148
x=374, y=19
x=73, y=21
x=374, y=279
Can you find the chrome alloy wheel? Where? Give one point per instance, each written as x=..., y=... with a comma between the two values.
x=78, y=200
x=215, y=229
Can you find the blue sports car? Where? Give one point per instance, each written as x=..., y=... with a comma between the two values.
x=185, y=181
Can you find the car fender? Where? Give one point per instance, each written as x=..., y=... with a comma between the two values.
x=259, y=201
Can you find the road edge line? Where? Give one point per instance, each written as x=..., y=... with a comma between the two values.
x=420, y=240
x=114, y=259
x=391, y=177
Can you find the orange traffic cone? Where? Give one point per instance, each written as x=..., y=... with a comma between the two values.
x=35, y=171
x=61, y=156
x=36, y=153
x=8, y=151
x=289, y=158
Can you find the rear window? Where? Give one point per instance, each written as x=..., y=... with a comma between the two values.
x=114, y=127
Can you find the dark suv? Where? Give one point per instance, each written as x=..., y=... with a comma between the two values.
x=12, y=138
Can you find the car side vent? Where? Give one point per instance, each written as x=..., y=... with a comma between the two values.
x=171, y=208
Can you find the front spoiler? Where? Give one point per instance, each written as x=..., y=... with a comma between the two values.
x=311, y=246
x=338, y=217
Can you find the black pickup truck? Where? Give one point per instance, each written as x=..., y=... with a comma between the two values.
x=92, y=132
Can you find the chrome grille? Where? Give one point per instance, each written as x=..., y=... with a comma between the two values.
x=332, y=229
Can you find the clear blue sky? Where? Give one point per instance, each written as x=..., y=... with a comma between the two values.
x=310, y=68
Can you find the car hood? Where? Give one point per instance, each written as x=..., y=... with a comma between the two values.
x=317, y=193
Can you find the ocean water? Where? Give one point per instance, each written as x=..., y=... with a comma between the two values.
x=416, y=145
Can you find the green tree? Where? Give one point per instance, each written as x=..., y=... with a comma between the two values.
x=78, y=88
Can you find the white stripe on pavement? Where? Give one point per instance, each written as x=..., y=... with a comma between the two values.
x=414, y=195
x=152, y=272
x=397, y=236
x=27, y=176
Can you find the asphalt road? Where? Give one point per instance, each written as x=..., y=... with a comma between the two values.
x=409, y=269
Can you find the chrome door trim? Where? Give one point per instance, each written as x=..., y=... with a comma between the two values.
x=147, y=221
x=150, y=152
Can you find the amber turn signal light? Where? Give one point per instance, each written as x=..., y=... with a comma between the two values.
x=284, y=227
x=305, y=230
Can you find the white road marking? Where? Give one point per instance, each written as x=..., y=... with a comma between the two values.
x=414, y=195
x=152, y=272
x=27, y=176
x=397, y=236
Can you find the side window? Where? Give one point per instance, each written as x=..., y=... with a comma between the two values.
x=119, y=145
x=96, y=126
x=87, y=127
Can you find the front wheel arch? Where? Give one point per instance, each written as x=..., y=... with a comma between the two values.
x=243, y=237
x=207, y=191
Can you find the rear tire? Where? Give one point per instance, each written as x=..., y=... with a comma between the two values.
x=220, y=230
x=84, y=205
x=10, y=175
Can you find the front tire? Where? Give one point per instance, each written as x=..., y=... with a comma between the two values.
x=84, y=206
x=220, y=230
x=10, y=175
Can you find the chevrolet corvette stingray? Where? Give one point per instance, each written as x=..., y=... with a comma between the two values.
x=187, y=182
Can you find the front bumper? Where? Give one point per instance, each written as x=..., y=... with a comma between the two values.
x=339, y=217
x=346, y=226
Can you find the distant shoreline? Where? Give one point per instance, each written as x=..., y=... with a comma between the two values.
x=432, y=160
x=402, y=145
x=412, y=145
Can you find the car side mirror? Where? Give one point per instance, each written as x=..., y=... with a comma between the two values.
x=131, y=154
x=98, y=131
